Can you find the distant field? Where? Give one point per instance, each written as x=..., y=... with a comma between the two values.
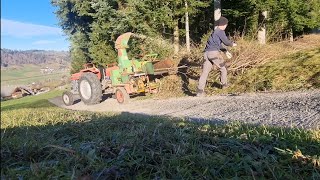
x=26, y=74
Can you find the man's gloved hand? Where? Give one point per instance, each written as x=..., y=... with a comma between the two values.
x=229, y=55
x=234, y=45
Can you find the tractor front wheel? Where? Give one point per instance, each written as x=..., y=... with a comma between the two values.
x=67, y=98
x=90, y=89
x=121, y=95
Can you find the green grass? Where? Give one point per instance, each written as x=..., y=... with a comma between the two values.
x=41, y=141
x=18, y=72
x=294, y=72
x=26, y=74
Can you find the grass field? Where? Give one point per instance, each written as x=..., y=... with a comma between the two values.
x=26, y=74
x=41, y=141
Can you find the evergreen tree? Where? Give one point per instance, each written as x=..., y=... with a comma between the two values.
x=101, y=46
x=76, y=23
x=284, y=16
x=297, y=16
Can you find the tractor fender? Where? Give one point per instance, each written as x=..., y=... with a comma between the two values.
x=77, y=76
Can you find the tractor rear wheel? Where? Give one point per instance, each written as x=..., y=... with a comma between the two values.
x=122, y=96
x=67, y=98
x=90, y=89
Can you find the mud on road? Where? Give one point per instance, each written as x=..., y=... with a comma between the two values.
x=290, y=109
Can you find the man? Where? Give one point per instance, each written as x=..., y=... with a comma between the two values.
x=212, y=55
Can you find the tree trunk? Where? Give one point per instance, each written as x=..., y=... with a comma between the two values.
x=291, y=35
x=187, y=28
x=176, y=38
x=262, y=29
x=217, y=12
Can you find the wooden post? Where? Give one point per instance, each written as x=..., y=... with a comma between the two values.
x=217, y=12
x=262, y=30
x=176, y=38
x=291, y=35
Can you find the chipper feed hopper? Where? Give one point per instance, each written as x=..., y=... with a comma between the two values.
x=123, y=79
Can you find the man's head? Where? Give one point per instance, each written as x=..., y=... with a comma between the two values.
x=223, y=23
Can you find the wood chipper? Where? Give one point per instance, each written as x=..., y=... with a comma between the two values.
x=122, y=79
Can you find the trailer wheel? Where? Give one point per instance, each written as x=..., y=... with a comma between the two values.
x=90, y=89
x=67, y=98
x=121, y=95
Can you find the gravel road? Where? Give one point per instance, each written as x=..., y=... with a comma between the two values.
x=290, y=109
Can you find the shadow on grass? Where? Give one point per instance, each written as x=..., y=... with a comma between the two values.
x=101, y=146
x=301, y=57
x=185, y=76
x=315, y=80
x=215, y=85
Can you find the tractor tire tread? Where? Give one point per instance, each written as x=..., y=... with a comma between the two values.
x=70, y=96
x=96, y=88
x=126, y=96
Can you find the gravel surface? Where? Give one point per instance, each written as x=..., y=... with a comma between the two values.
x=291, y=109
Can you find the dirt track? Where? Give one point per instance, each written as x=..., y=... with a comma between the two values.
x=290, y=109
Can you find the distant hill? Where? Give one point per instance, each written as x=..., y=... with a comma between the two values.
x=15, y=57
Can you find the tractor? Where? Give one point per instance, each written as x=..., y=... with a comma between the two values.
x=121, y=80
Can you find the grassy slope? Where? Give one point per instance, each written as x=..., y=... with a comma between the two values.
x=282, y=72
x=298, y=71
x=41, y=141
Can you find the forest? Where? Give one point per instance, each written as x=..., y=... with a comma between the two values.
x=92, y=26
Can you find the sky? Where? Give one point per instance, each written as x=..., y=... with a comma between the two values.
x=31, y=24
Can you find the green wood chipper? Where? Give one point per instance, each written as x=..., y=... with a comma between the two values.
x=123, y=79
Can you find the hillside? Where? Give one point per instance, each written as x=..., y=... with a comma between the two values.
x=16, y=57
x=282, y=66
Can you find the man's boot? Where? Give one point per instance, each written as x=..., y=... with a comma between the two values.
x=224, y=86
x=201, y=93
